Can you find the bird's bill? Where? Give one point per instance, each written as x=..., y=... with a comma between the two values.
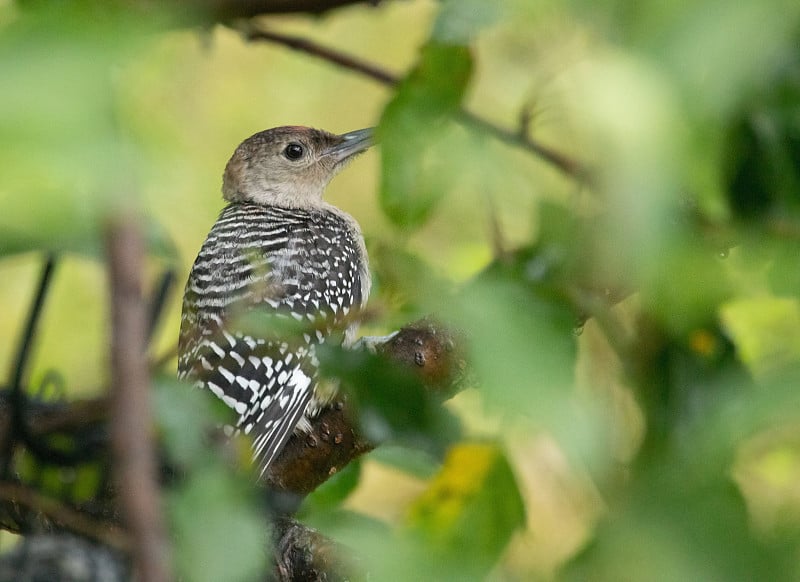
x=353, y=142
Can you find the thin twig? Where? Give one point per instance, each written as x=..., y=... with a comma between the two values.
x=65, y=516
x=131, y=428
x=57, y=418
x=17, y=427
x=159, y=300
x=563, y=162
x=231, y=9
x=23, y=353
x=325, y=53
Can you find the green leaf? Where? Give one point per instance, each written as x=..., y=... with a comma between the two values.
x=522, y=341
x=415, y=170
x=763, y=164
x=417, y=463
x=335, y=490
x=470, y=510
x=183, y=417
x=682, y=522
x=458, y=21
x=407, y=282
x=63, y=160
x=220, y=534
x=391, y=401
x=755, y=323
x=88, y=479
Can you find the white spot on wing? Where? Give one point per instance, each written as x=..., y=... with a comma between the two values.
x=226, y=374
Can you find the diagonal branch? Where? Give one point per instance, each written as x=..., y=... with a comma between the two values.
x=559, y=160
x=67, y=517
x=231, y=9
x=18, y=427
x=309, y=47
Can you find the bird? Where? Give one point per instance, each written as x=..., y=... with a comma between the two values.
x=277, y=250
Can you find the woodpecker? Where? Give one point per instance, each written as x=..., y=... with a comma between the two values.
x=278, y=249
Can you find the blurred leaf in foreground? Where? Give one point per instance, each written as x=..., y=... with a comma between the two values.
x=335, y=490
x=184, y=417
x=219, y=533
x=469, y=512
x=755, y=324
x=415, y=171
x=681, y=522
x=220, y=530
x=64, y=158
x=392, y=402
x=522, y=343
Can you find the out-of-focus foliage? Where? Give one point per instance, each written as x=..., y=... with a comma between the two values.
x=415, y=170
x=469, y=512
x=406, y=413
x=676, y=457
x=66, y=159
x=219, y=532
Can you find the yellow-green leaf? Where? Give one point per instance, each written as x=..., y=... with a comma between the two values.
x=471, y=508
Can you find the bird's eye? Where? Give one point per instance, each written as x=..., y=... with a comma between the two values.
x=294, y=151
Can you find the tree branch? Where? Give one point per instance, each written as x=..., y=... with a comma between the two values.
x=131, y=427
x=335, y=439
x=303, y=554
x=18, y=429
x=559, y=160
x=226, y=10
x=14, y=494
x=304, y=45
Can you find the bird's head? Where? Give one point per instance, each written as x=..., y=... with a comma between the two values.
x=289, y=166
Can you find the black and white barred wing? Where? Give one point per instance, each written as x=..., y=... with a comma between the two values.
x=268, y=378
x=267, y=382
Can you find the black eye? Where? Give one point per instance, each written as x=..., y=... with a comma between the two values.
x=294, y=151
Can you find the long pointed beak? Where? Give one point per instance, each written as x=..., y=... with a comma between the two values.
x=353, y=142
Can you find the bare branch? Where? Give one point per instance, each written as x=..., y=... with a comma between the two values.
x=302, y=553
x=65, y=516
x=131, y=428
x=561, y=161
x=18, y=428
x=322, y=52
x=226, y=10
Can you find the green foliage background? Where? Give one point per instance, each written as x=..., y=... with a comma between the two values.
x=659, y=442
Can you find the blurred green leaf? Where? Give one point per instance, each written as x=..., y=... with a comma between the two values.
x=415, y=172
x=686, y=286
x=470, y=510
x=335, y=490
x=392, y=402
x=417, y=463
x=754, y=324
x=407, y=283
x=680, y=523
x=64, y=160
x=219, y=532
x=459, y=20
x=762, y=169
x=522, y=341
x=88, y=479
x=184, y=415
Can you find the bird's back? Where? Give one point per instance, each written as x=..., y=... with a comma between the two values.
x=306, y=270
